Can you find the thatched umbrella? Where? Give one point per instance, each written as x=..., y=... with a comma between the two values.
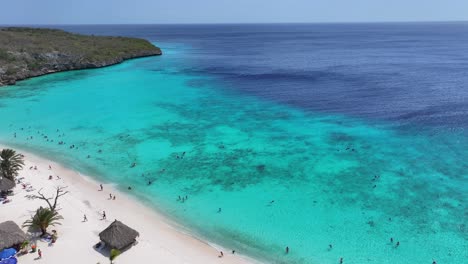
x=11, y=235
x=6, y=184
x=118, y=236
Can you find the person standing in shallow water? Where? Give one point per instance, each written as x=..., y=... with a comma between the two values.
x=287, y=250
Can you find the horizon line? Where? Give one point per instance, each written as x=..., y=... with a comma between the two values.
x=239, y=23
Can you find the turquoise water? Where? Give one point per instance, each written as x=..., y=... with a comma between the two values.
x=242, y=153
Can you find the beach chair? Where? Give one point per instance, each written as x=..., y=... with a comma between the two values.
x=100, y=245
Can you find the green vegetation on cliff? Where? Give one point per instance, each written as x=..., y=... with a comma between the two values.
x=29, y=52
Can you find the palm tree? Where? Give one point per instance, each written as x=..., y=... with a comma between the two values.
x=10, y=163
x=43, y=218
x=114, y=253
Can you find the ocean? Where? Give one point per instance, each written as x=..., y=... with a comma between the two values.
x=328, y=139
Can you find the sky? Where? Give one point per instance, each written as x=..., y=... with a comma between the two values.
x=227, y=11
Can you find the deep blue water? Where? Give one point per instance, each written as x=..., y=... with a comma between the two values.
x=404, y=72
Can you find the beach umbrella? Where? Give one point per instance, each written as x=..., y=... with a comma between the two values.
x=6, y=253
x=9, y=261
x=6, y=184
x=118, y=235
x=10, y=235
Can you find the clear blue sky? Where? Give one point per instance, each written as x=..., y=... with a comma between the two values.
x=227, y=11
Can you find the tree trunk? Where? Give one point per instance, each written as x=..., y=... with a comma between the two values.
x=43, y=231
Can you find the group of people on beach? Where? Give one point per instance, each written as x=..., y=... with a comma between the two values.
x=103, y=214
x=111, y=197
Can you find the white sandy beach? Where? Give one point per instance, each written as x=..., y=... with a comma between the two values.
x=159, y=242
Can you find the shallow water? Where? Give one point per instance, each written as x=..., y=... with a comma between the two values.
x=282, y=174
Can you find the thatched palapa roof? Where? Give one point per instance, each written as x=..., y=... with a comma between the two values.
x=118, y=235
x=10, y=234
x=6, y=184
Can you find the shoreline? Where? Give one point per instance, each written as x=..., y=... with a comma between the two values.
x=35, y=51
x=86, y=67
x=160, y=238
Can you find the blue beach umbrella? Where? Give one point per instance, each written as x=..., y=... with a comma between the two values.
x=6, y=253
x=9, y=261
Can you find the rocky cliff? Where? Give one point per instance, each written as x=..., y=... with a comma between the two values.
x=29, y=52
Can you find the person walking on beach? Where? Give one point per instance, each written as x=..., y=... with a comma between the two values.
x=39, y=252
x=103, y=215
x=85, y=219
x=221, y=254
x=100, y=185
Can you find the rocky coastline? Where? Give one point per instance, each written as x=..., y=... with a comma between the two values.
x=31, y=52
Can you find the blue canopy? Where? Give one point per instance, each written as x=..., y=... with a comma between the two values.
x=6, y=253
x=9, y=261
